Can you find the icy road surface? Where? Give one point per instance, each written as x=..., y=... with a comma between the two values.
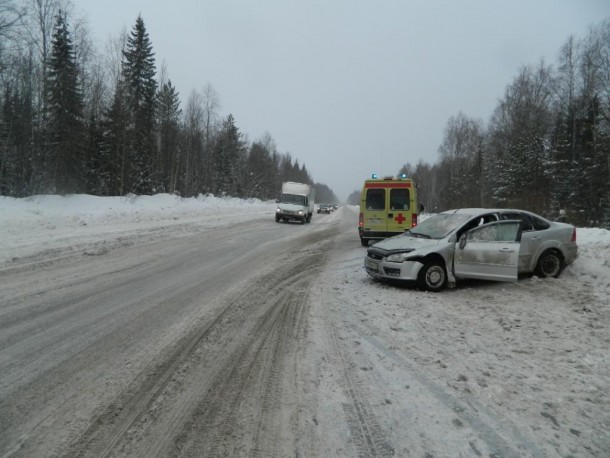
x=261, y=339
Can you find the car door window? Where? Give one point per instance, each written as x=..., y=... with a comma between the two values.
x=505, y=231
x=526, y=222
x=539, y=224
x=475, y=222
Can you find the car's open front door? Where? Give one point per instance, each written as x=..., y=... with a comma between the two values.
x=489, y=252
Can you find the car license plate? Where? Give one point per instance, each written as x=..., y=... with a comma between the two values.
x=374, y=221
x=372, y=265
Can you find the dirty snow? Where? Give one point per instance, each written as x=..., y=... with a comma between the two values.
x=534, y=353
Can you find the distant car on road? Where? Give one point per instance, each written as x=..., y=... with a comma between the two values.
x=324, y=208
x=487, y=244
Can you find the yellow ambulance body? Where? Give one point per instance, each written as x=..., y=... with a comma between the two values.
x=388, y=207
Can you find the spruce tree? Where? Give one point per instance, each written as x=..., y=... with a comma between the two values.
x=138, y=73
x=169, y=113
x=64, y=113
x=229, y=159
x=114, y=143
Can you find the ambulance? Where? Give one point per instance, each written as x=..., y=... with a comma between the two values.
x=388, y=207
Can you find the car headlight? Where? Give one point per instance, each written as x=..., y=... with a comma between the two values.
x=399, y=257
x=300, y=212
x=278, y=209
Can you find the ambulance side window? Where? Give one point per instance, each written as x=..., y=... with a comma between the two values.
x=399, y=199
x=375, y=199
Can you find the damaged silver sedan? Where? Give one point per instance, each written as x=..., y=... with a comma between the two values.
x=486, y=244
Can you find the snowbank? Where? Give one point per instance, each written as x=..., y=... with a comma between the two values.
x=44, y=223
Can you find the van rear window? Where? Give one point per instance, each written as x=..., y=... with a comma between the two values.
x=399, y=199
x=375, y=199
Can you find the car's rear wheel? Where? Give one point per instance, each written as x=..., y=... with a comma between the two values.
x=549, y=264
x=433, y=276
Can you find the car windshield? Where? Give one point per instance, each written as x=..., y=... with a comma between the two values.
x=438, y=226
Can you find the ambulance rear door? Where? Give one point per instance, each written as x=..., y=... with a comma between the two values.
x=374, y=212
x=399, y=204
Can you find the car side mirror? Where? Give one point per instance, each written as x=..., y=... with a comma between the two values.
x=463, y=241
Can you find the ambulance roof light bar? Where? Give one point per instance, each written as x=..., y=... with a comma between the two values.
x=402, y=176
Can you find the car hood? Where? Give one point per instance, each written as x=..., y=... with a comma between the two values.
x=404, y=242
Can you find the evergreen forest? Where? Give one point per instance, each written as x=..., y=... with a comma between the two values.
x=74, y=121
x=546, y=147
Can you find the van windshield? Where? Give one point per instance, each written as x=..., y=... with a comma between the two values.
x=293, y=199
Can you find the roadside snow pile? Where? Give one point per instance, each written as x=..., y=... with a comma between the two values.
x=37, y=224
x=593, y=262
x=48, y=224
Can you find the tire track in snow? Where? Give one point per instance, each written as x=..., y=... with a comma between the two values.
x=212, y=388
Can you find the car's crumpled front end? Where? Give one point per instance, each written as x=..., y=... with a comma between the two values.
x=379, y=267
x=399, y=258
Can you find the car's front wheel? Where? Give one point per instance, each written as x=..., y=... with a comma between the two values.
x=549, y=264
x=433, y=276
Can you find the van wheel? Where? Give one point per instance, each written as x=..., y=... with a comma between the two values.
x=364, y=242
x=549, y=264
x=432, y=277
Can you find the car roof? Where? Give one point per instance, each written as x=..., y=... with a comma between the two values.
x=482, y=211
x=478, y=211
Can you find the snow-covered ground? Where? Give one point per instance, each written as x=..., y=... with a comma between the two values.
x=51, y=224
x=533, y=354
x=46, y=224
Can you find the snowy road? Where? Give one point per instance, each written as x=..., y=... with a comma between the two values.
x=265, y=339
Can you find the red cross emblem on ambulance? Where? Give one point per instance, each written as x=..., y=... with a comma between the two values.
x=400, y=219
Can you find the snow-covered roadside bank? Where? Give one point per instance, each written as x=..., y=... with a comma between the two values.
x=41, y=225
x=46, y=224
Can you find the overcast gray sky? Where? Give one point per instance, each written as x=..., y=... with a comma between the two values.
x=349, y=87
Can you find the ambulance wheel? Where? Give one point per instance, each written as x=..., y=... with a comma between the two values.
x=364, y=242
x=433, y=276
